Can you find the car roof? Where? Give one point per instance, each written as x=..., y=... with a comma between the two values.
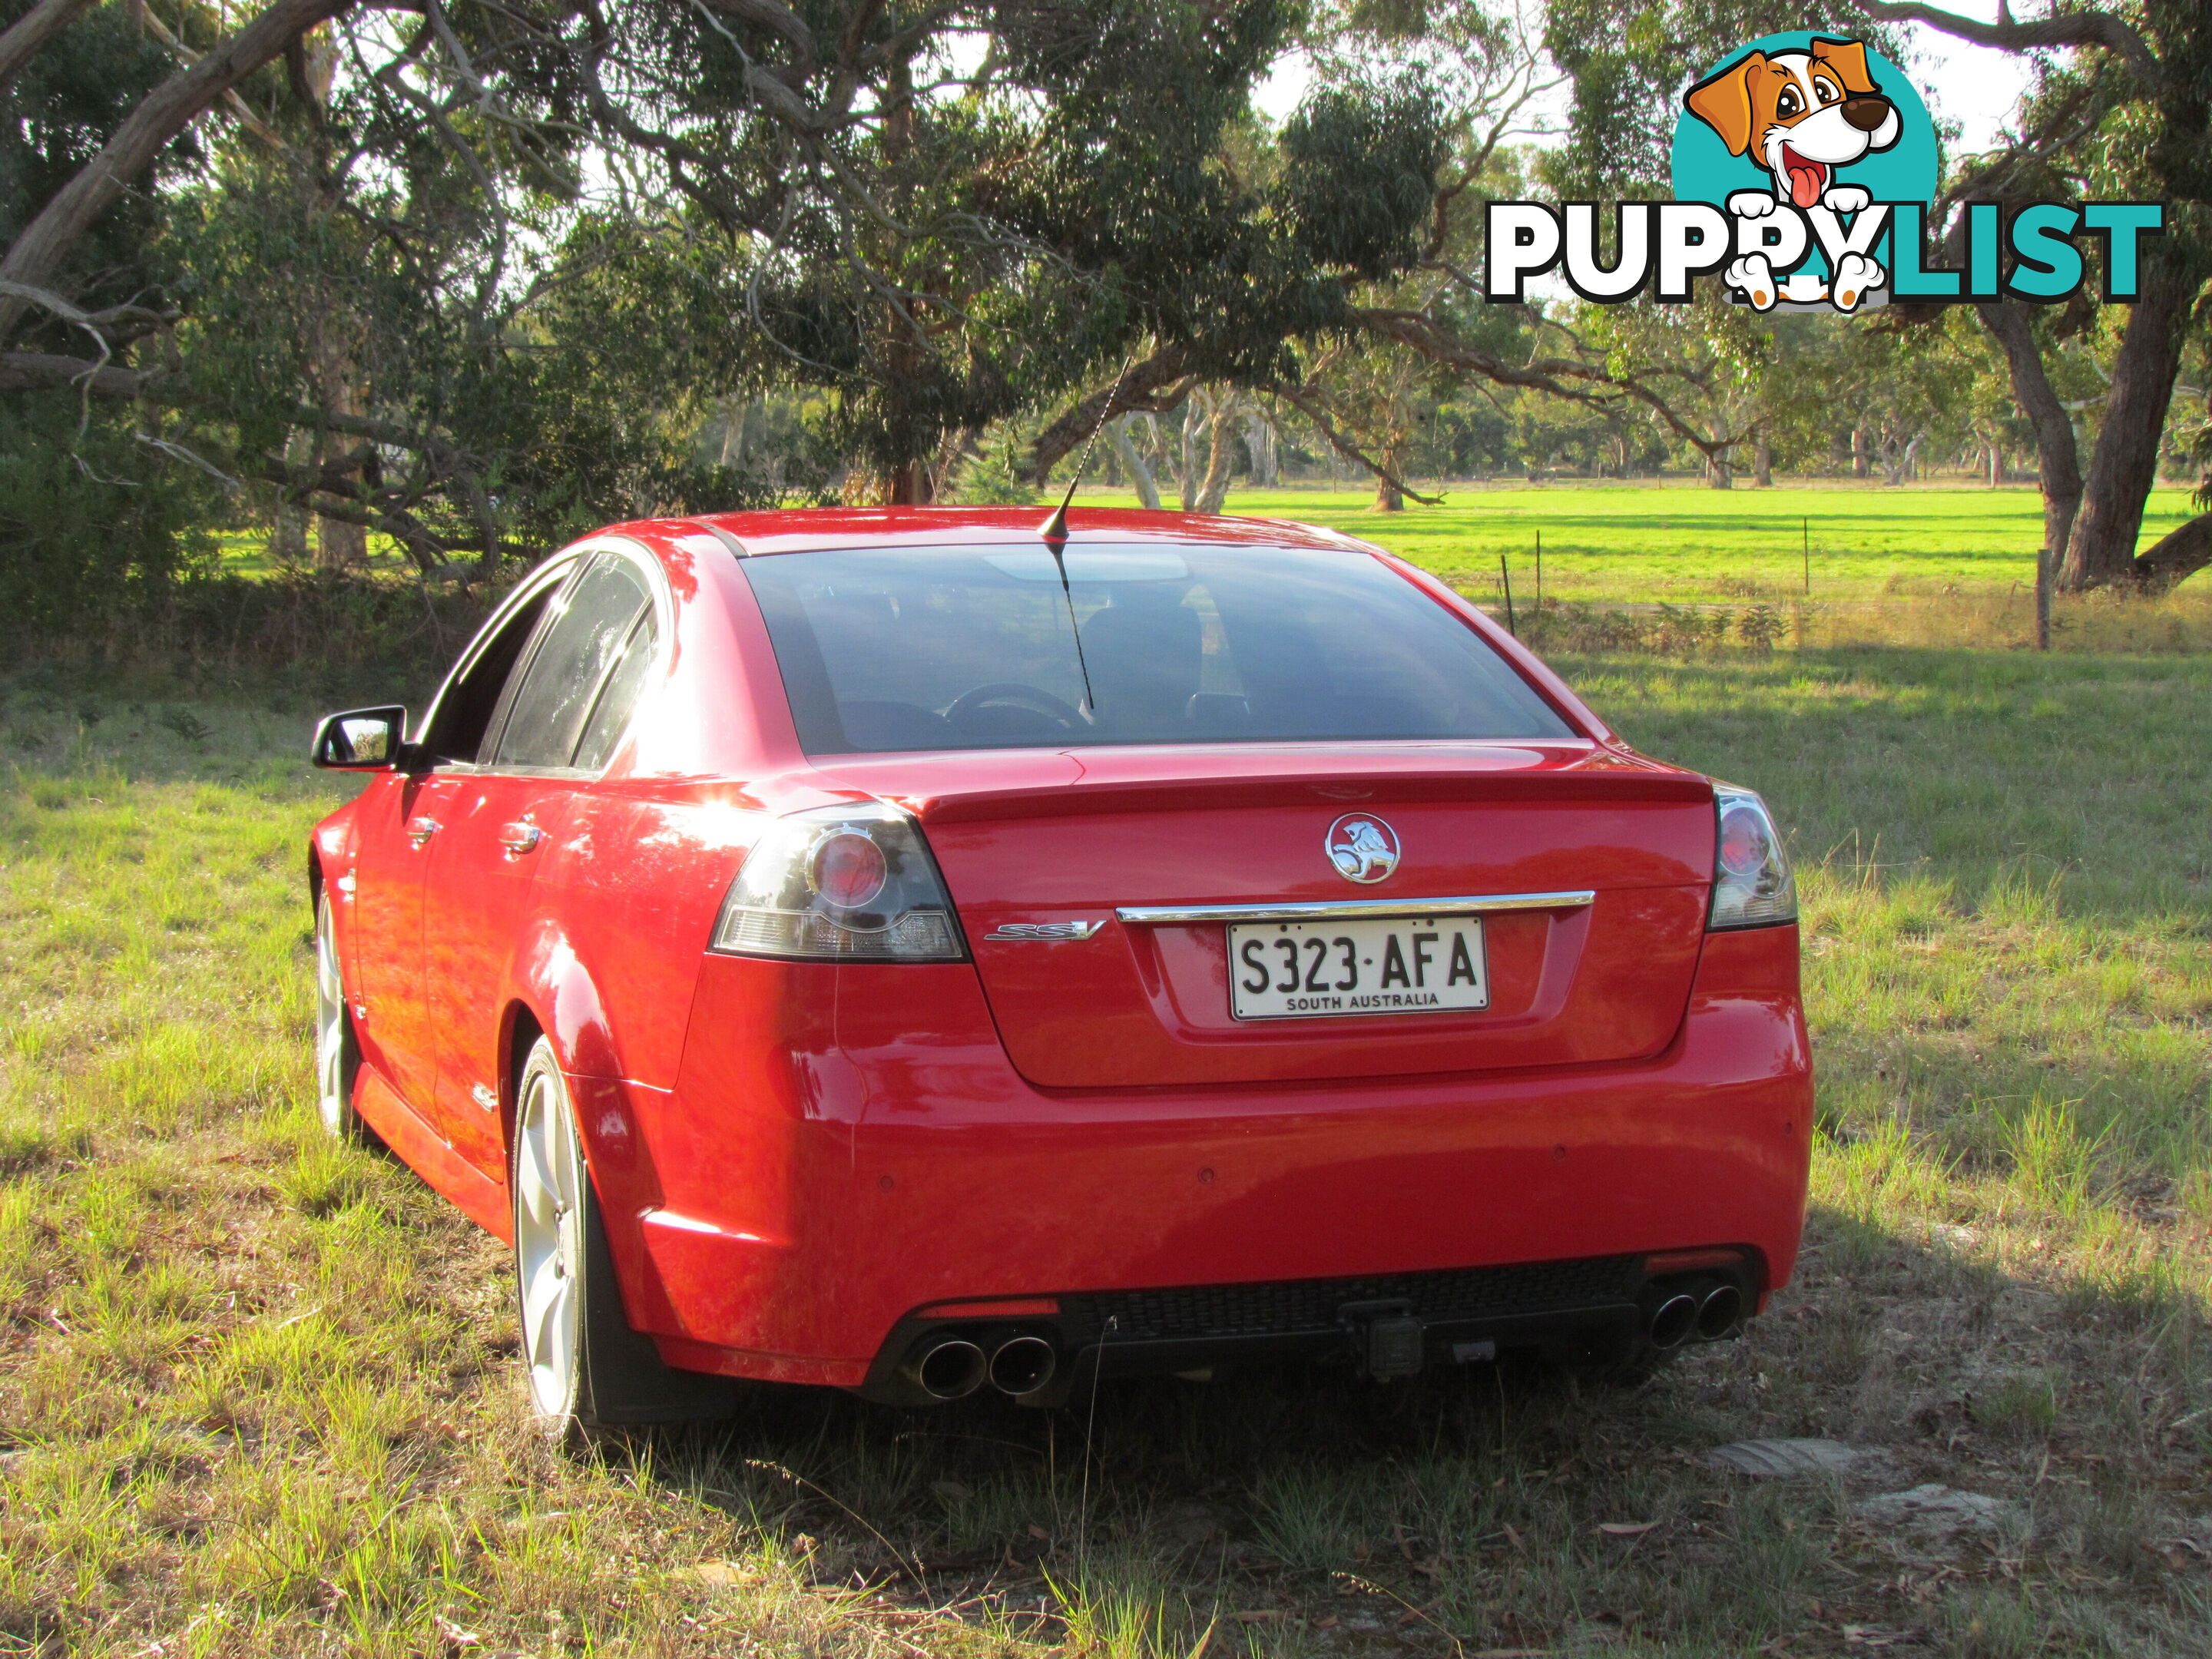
x=810, y=529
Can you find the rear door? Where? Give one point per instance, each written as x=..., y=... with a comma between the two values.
x=554, y=727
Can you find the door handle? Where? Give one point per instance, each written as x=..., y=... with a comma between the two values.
x=520, y=838
x=419, y=830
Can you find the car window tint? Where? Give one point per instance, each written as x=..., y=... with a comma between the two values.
x=903, y=648
x=610, y=715
x=569, y=664
x=467, y=707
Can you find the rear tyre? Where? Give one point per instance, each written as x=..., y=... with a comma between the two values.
x=586, y=1370
x=337, y=1053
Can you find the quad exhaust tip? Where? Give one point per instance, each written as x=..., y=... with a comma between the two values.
x=1673, y=1321
x=1022, y=1365
x=949, y=1368
x=1718, y=1313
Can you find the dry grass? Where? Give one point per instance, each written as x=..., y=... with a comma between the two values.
x=256, y=1394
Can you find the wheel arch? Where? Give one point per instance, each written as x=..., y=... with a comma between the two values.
x=520, y=1030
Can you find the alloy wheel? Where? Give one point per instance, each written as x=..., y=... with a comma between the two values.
x=333, y=1040
x=548, y=1243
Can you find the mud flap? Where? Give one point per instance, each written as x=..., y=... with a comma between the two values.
x=626, y=1382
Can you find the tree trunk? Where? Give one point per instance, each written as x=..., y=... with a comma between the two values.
x=287, y=534
x=1187, y=474
x=1388, y=498
x=1719, y=475
x=1762, y=458
x=1141, y=476
x=908, y=485
x=1996, y=463
x=1260, y=444
x=339, y=545
x=2057, y=458
x=2125, y=464
x=1220, y=460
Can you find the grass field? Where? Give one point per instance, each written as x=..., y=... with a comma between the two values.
x=257, y=1391
x=1677, y=540
x=1843, y=563
x=1682, y=541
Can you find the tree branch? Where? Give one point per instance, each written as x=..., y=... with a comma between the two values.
x=1551, y=375
x=778, y=20
x=30, y=32
x=161, y=116
x=1134, y=390
x=1298, y=397
x=23, y=371
x=2180, y=552
x=2070, y=28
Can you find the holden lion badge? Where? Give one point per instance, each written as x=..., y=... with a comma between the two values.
x=1363, y=848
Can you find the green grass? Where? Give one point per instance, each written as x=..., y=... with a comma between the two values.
x=1684, y=542
x=258, y=1395
x=1644, y=541
x=1941, y=564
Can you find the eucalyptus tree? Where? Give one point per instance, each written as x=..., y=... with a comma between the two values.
x=2121, y=111
x=478, y=283
x=2118, y=112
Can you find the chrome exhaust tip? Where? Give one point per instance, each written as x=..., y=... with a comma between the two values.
x=949, y=1368
x=1718, y=1313
x=1022, y=1365
x=1673, y=1321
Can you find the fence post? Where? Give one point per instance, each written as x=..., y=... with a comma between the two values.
x=2043, y=564
x=1505, y=580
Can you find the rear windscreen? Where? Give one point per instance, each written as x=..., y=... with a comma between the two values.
x=905, y=648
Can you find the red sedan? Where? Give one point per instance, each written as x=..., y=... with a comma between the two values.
x=907, y=952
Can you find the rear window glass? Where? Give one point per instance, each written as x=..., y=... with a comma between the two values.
x=904, y=648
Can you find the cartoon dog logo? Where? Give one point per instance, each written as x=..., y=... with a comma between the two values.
x=1362, y=848
x=1802, y=115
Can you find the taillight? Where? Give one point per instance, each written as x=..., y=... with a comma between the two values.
x=844, y=883
x=1752, y=883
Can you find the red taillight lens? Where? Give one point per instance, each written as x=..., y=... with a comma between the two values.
x=1752, y=883
x=848, y=870
x=841, y=883
x=1744, y=846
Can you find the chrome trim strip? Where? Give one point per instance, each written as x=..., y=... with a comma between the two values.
x=1144, y=915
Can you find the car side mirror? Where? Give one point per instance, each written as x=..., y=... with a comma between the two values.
x=361, y=740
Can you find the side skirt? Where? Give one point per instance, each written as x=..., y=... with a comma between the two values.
x=425, y=1151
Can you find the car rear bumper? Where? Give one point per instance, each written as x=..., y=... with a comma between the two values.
x=822, y=1174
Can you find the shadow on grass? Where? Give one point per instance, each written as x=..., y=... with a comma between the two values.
x=1500, y=1508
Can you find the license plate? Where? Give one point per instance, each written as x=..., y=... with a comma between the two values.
x=1404, y=965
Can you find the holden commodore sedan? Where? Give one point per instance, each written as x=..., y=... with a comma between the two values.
x=918, y=952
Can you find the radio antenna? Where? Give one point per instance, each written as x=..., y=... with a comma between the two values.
x=1054, y=531
x=1055, y=528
